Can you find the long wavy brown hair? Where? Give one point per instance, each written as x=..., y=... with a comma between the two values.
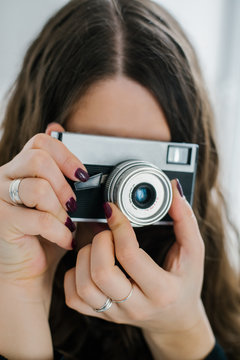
x=91, y=40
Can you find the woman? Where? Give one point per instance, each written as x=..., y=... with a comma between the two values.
x=119, y=68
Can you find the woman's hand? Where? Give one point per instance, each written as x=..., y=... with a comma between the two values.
x=33, y=236
x=165, y=302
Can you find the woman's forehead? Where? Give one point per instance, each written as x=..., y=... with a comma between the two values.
x=119, y=107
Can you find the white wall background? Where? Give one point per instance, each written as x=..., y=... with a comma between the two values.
x=214, y=29
x=212, y=26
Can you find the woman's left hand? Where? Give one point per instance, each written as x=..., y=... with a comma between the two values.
x=165, y=300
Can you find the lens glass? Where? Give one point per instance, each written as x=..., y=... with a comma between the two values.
x=143, y=195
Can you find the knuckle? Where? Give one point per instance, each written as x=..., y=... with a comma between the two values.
x=100, y=275
x=67, y=161
x=65, y=190
x=70, y=161
x=41, y=188
x=126, y=255
x=102, y=236
x=58, y=211
x=38, y=159
x=83, y=252
x=66, y=236
x=117, y=225
x=38, y=141
x=44, y=194
x=84, y=290
x=70, y=300
x=45, y=219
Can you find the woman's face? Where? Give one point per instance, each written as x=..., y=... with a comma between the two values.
x=116, y=107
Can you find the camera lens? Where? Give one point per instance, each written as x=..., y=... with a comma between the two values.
x=141, y=190
x=144, y=195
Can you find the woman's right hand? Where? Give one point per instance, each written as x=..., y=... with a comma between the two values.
x=34, y=236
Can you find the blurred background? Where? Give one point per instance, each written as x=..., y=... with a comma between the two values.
x=213, y=28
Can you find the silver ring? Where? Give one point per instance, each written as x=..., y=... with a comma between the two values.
x=13, y=191
x=126, y=298
x=105, y=307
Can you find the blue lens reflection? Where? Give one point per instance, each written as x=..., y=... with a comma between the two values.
x=142, y=194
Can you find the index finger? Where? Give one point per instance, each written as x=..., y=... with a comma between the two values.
x=67, y=162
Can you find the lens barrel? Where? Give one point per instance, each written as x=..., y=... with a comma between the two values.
x=141, y=190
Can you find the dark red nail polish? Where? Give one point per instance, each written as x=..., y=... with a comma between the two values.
x=81, y=175
x=70, y=224
x=71, y=205
x=74, y=244
x=179, y=187
x=107, y=209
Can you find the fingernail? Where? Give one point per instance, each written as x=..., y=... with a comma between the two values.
x=70, y=224
x=74, y=244
x=107, y=210
x=71, y=205
x=179, y=187
x=81, y=175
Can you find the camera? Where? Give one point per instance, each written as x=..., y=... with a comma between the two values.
x=135, y=174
